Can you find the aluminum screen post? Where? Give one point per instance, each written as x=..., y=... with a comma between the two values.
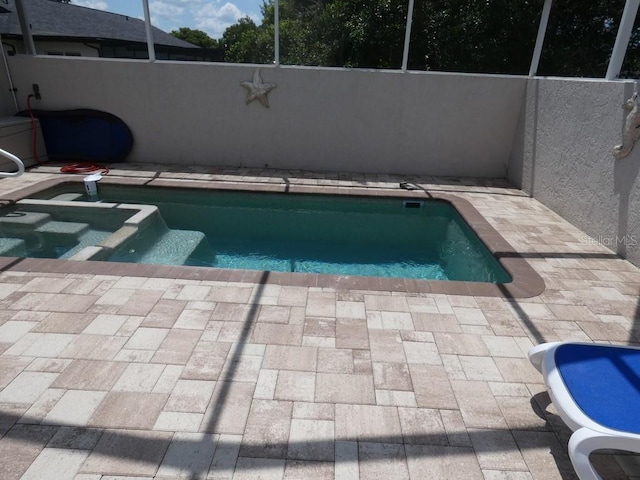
x=26, y=28
x=147, y=25
x=407, y=36
x=276, y=32
x=542, y=30
x=622, y=39
x=9, y=78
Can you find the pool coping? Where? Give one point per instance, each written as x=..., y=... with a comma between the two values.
x=526, y=282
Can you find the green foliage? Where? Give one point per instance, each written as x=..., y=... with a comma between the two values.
x=494, y=36
x=197, y=37
x=580, y=38
x=245, y=42
x=484, y=36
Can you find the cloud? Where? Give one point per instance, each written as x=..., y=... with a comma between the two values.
x=211, y=16
x=214, y=20
x=163, y=9
x=191, y=2
x=97, y=4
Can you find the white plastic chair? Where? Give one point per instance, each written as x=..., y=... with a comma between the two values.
x=596, y=390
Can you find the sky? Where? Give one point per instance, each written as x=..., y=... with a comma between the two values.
x=211, y=16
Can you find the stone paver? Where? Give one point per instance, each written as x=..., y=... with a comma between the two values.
x=76, y=438
x=248, y=468
x=368, y=423
x=74, y=408
x=267, y=431
x=41, y=407
x=90, y=375
x=21, y=446
x=57, y=463
x=225, y=457
x=229, y=408
x=290, y=358
x=382, y=460
x=128, y=410
x=311, y=440
x=302, y=470
x=65, y=322
x=139, y=377
x=190, y=396
x=27, y=387
x=298, y=386
x=189, y=456
x=446, y=463
x=129, y=376
x=179, y=422
x=344, y=388
x=128, y=453
x=105, y=324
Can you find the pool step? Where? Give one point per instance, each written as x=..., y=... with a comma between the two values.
x=13, y=247
x=21, y=222
x=67, y=197
x=62, y=232
x=89, y=238
x=174, y=247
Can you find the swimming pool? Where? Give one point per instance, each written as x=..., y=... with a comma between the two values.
x=323, y=234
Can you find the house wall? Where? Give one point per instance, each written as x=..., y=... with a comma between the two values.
x=53, y=48
x=319, y=119
x=563, y=158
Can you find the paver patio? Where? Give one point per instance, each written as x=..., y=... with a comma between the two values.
x=105, y=376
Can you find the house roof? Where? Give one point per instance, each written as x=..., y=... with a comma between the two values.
x=55, y=19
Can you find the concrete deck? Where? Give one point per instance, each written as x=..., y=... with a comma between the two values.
x=106, y=376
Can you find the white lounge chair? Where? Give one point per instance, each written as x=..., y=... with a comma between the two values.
x=596, y=390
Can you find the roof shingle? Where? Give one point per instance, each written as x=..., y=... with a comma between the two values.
x=55, y=19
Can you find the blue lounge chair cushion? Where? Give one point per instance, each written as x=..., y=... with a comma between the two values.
x=604, y=381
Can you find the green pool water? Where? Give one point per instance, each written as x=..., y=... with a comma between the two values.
x=335, y=235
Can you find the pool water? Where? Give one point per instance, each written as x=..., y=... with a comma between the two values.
x=335, y=235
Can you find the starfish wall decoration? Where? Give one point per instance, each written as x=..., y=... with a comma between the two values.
x=257, y=90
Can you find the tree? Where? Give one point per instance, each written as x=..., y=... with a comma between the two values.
x=489, y=36
x=197, y=37
x=495, y=36
x=245, y=42
x=580, y=38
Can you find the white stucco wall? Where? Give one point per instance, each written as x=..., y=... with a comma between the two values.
x=319, y=119
x=563, y=157
x=16, y=137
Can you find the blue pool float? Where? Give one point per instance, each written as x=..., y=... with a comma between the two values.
x=83, y=135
